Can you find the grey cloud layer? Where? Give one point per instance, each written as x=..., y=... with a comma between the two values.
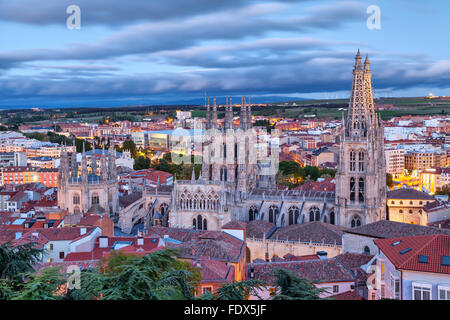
x=230, y=44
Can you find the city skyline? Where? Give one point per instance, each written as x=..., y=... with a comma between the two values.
x=172, y=52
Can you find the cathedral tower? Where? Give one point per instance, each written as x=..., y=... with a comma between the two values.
x=361, y=176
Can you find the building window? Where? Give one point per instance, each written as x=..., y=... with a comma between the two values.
x=332, y=218
x=293, y=215
x=95, y=199
x=395, y=287
x=361, y=190
x=366, y=250
x=273, y=213
x=61, y=255
x=335, y=289
x=356, y=222
x=352, y=161
x=314, y=214
x=76, y=198
x=444, y=293
x=361, y=161
x=352, y=189
x=421, y=291
x=252, y=213
x=392, y=202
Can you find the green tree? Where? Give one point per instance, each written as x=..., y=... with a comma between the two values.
x=17, y=260
x=6, y=290
x=445, y=190
x=237, y=290
x=291, y=287
x=43, y=286
x=156, y=276
x=129, y=145
x=141, y=163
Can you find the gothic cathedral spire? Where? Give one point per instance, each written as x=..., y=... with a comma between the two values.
x=361, y=176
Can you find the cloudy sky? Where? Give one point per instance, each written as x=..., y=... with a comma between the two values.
x=172, y=51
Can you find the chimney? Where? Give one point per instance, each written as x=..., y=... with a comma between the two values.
x=103, y=242
x=83, y=231
x=140, y=241
x=322, y=255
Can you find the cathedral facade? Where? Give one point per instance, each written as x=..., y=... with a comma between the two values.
x=235, y=185
x=91, y=188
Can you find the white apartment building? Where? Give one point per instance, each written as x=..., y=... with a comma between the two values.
x=395, y=160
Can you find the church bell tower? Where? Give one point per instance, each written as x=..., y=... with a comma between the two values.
x=361, y=176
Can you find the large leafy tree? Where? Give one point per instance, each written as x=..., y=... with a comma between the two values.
x=45, y=285
x=291, y=287
x=237, y=290
x=156, y=276
x=17, y=260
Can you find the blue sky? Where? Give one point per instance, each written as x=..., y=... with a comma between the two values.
x=171, y=51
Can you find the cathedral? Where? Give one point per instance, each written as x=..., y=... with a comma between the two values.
x=234, y=184
x=89, y=189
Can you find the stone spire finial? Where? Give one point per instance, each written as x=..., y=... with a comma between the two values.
x=214, y=114
x=358, y=65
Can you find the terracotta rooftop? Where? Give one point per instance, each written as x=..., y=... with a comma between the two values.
x=327, y=270
x=428, y=253
x=216, y=245
x=348, y=295
x=235, y=224
x=391, y=229
x=316, y=232
x=408, y=194
x=258, y=228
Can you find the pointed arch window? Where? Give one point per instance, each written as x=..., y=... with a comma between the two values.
x=252, y=213
x=95, y=199
x=314, y=214
x=352, y=161
x=361, y=191
x=361, y=161
x=356, y=222
x=76, y=198
x=352, y=189
x=273, y=213
x=293, y=215
x=199, y=222
x=163, y=208
x=332, y=217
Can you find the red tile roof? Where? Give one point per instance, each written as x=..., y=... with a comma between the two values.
x=324, y=271
x=433, y=246
x=151, y=244
x=348, y=295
